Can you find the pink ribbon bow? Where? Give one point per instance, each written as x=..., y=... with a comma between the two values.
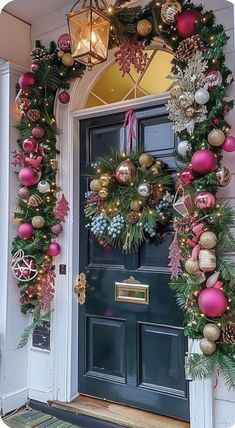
x=129, y=122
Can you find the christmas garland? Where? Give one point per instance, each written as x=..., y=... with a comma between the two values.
x=198, y=108
x=129, y=199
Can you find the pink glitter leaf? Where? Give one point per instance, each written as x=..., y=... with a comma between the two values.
x=174, y=256
x=62, y=209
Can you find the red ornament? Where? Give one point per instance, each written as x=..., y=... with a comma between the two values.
x=63, y=42
x=25, y=231
x=186, y=23
x=54, y=249
x=229, y=144
x=187, y=176
x=30, y=145
x=34, y=67
x=64, y=97
x=212, y=302
x=204, y=201
x=203, y=162
x=26, y=79
x=38, y=132
x=215, y=122
x=28, y=176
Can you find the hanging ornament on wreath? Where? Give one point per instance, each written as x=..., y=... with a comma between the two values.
x=169, y=10
x=144, y=27
x=23, y=267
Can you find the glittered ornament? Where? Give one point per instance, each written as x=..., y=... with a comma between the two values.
x=204, y=161
x=190, y=112
x=144, y=189
x=207, y=260
x=54, y=249
x=156, y=169
x=124, y=172
x=175, y=92
x=207, y=347
x=67, y=60
x=35, y=201
x=57, y=228
x=216, y=138
x=183, y=148
x=30, y=145
x=38, y=221
x=186, y=23
x=43, y=186
x=105, y=180
x=28, y=176
x=95, y=185
x=144, y=27
x=169, y=10
x=64, y=97
x=135, y=205
x=25, y=231
x=208, y=240
x=202, y=96
x=103, y=193
x=186, y=100
x=24, y=193
x=23, y=267
x=146, y=160
x=212, y=79
x=212, y=302
x=229, y=144
x=204, y=201
x=223, y=176
x=26, y=79
x=211, y=332
x=192, y=266
x=33, y=115
x=63, y=42
x=187, y=176
x=38, y=132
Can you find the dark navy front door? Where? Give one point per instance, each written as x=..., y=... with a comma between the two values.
x=130, y=353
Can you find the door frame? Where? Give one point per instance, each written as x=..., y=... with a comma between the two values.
x=64, y=322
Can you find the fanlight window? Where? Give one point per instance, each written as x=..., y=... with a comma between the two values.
x=133, y=85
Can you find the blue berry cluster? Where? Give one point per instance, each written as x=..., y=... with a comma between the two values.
x=116, y=226
x=149, y=230
x=98, y=225
x=89, y=194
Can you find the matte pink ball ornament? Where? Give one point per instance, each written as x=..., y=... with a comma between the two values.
x=203, y=162
x=28, y=176
x=34, y=67
x=25, y=231
x=63, y=42
x=54, y=249
x=30, y=145
x=26, y=79
x=38, y=132
x=57, y=228
x=64, y=97
x=229, y=144
x=187, y=176
x=187, y=23
x=212, y=302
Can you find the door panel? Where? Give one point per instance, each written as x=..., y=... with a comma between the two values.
x=130, y=353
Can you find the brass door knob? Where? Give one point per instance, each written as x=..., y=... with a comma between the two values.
x=80, y=287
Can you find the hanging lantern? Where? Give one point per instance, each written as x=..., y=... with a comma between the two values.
x=183, y=204
x=89, y=32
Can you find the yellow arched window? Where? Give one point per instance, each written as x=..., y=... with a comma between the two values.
x=111, y=87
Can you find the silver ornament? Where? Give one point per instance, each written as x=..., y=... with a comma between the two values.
x=183, y=147
x=43, y=186
x=144, y=189
x=202, y=96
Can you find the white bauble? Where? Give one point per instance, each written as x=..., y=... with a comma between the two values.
x=183, y=147
x=202, y=96
x=43, y=186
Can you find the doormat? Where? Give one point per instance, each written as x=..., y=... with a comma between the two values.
x=36, y=419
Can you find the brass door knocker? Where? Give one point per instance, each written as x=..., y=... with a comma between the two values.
x=80, y=287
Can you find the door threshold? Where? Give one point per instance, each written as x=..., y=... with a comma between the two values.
x=118, y=414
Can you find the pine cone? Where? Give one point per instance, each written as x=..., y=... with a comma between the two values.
x=188, y=47
x=228, y=333
x=39, y=54
x=133, y=217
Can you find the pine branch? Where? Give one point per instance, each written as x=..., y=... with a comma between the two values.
x=28, y=331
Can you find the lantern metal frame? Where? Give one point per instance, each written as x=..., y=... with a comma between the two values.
x=89, y=7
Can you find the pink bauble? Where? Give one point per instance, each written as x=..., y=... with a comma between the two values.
x=187, y=176
x=63, y=42
x=38, y=132
x=64, y=97
x=28, y=176
x=204, y=201
x=25, y=231
x=30, y=145
x=229, y=144
x=57, y=228
x=186, y=23
x=212, y=302
x=34, y=67
x=26, y=79
x=24, y=193
x=203, y=162
x=54, y=249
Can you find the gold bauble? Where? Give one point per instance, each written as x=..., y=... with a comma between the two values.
x=103, y=193
x=144, y=27
x=175, y=92
x=38, y=221
x=207, y=260
x=223, y=176
x=146, y=160
x=34, y=201
x=156, y=169
x=211, y=332
x=95, y=185
x=216, y=137
x=208, y=240
x=105, y=180
x=207, y=347
x=54, y=164
x=192, y=266
x=186, y=100
x=190, y=112
x=67, y=60
x=135, y=205
x=125, y=172
x=169, y=10
x=60, y=54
